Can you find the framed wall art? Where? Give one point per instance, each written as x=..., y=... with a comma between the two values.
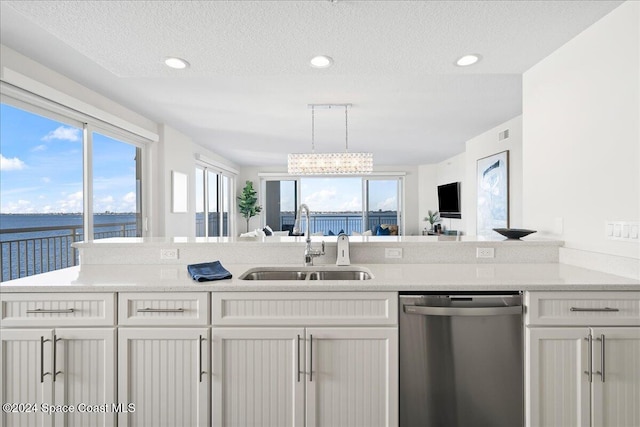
x=493, y=193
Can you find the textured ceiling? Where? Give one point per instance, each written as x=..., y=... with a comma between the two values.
x=245, y=95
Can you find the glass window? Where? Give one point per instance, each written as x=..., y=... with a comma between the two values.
x=348, y=204
x=41, y=203
x=335, y=204
x=214, y=195
x=280, y=204
x=117, y=176
x=382, y=203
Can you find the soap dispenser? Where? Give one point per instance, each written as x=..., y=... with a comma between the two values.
x=343, y=250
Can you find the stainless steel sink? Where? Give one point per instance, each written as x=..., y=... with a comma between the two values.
x=307, y=273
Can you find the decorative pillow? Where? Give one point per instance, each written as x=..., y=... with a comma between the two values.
x=383, y=231
x=260, y=232
x=367, y=233
x=341, y=231
x=249, y=234
x=268, y=228
x=331, y=233
x=267, y=231
x=375, y=230
x=355, y=233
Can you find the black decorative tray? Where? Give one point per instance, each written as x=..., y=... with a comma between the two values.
x=513, y=233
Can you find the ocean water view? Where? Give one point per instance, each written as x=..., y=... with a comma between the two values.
x=37, y=243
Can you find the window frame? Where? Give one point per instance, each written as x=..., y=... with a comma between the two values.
x=35, y=104
x=221, y=174
x=381, y=176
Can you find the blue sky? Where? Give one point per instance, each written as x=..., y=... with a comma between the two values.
x=336, y=194
x=41, y=167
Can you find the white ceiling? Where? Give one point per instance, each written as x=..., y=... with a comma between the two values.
x=245, y=95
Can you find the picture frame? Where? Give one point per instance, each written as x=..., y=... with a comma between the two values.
x=493, y=193
x=179, y=192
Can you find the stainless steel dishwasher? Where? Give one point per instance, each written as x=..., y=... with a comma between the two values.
x=461, y=360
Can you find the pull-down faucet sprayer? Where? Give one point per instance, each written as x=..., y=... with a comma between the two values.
x=309, y=252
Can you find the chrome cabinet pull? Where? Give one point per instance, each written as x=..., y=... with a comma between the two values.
x=311, y=358
x=200, y=371
x=589, y=358
x=51, y=311
x=42, y=372
x=602, y=351
x=298, y=357
x=55, y=356
x=606, y=309
x=160, y=310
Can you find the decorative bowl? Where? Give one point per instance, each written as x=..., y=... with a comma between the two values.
x=513, y=233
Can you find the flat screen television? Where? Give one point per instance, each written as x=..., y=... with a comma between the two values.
x=449, y=200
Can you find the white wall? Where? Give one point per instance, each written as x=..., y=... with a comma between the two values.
x=484, y=145
x=581, y=147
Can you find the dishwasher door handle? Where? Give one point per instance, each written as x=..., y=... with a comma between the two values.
x=463, y=311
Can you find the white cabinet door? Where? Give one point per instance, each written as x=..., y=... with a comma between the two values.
x=164, y=373
x=258, y=377
x=616, y=389
x=558, y=390
x=84, y=376
x=352, y=377
x=25, y=360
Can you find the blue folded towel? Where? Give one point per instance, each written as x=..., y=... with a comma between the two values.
x=207, y=271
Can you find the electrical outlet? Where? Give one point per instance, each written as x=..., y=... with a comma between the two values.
x=168, y=254
x=393, y=252
x=485, y=252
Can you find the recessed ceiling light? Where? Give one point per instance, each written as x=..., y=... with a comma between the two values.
x=177, y=63
x=468, y=60
x=321, y=61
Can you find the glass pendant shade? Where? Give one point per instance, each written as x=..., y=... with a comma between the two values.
x=344, y=163
x=330, y=163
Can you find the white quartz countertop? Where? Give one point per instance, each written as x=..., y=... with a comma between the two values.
x=386, y=277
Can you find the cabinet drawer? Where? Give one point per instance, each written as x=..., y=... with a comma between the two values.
x=57, y=309
x=304, y=308
x=166, y=308
x=583, y=308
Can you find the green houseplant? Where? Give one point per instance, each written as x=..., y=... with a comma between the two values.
x=248, y=202
x=432, y=218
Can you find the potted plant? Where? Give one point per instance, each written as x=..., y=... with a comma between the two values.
x=248, y=202
x=432, y=218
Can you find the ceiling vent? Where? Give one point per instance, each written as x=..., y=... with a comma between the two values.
x=503, y=135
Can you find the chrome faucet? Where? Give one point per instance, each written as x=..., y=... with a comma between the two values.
x=343, y=250
x=309, y=252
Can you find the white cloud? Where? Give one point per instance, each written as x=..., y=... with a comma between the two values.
x=72, y=203
x=46, y=179
x=19, y=206
x=13, y=164
x=389, y=204
x=63, y=133
x=130, y=197
x=40, y=147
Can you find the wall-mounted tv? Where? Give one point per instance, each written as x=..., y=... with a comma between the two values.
x=449, y=200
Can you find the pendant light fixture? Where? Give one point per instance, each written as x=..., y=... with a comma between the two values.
x=344, y=163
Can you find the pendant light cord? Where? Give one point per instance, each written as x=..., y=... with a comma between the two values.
x=313, y=130
x=346, y=129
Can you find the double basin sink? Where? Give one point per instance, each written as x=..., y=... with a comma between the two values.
x=307, y=273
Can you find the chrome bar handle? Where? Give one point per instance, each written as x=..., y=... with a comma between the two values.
x=589, y=358
x=160, y=310
x=42, y=372
x=55, y=356
x=51, y=311
x=605, y=309
x=200, y=371
x=311, y=358
x=298, y=352
x=602, y=351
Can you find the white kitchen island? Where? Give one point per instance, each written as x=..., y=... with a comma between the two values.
x=126, y=327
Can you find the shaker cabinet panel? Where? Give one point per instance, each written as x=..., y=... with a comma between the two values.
x=616, y=384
